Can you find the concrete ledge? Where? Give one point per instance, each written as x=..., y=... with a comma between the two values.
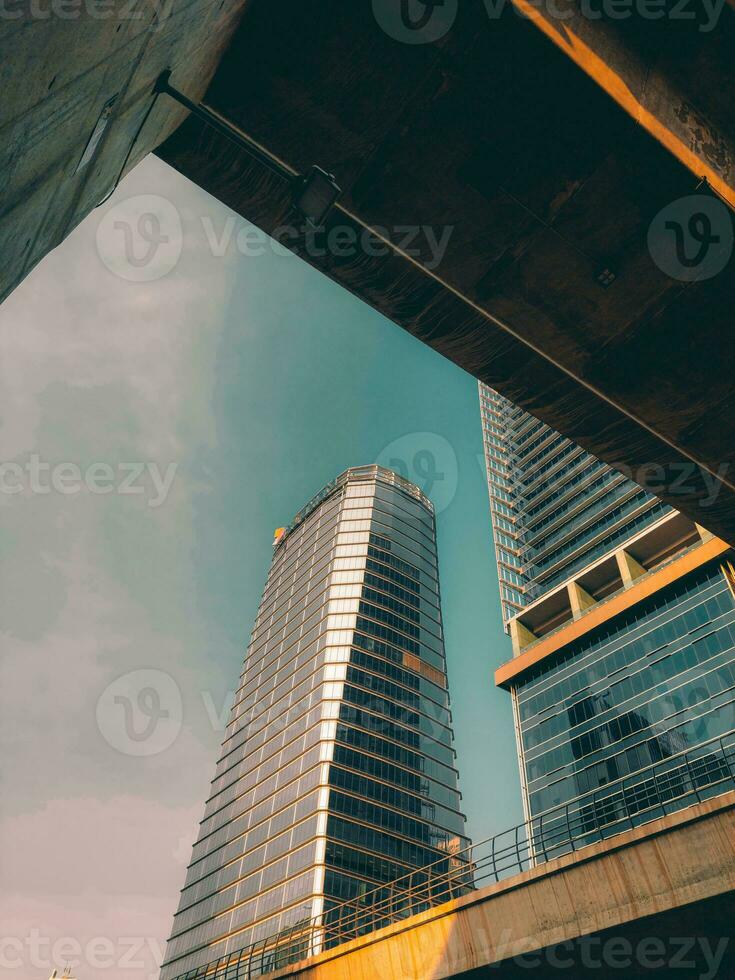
x=606, y=610
x=676, y=860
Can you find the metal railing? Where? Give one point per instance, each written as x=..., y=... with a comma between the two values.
x=664, y=787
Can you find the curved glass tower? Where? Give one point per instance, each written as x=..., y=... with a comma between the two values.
x=337, y=773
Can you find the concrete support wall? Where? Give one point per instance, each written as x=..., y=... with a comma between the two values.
x=56, y=75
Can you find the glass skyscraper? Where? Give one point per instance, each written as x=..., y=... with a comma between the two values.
x=554, y=507
x=621, y=613
x=337, y=773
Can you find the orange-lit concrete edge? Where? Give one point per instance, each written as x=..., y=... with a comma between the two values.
x=608, y=79
x=653, y=582
x=673, y=861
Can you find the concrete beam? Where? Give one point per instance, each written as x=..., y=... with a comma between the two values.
x=704, y=534
x=536, y=193
x=579, y=599
x=521, y=637
x=630, y=570
x=640, y=68
x=667, y=865
x=464, y=141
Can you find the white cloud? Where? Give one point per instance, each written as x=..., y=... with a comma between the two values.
x=99, y=890
x=94, y=368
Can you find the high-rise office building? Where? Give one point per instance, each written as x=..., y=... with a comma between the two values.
x=621, y=613
x=554, y=507
x=337, y=773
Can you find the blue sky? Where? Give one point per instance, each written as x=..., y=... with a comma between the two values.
x=226, y=388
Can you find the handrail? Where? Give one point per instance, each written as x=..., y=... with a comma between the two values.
x=671, y=784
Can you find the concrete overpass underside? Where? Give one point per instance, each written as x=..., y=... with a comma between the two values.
x=658, y=900
x=58, y=73
x=544, y=148
x=691, y=943
x=548, y=164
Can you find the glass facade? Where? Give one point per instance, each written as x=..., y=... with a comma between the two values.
x=337, y=773
x=654, y=682
x=554, y=507
x=632, y=714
